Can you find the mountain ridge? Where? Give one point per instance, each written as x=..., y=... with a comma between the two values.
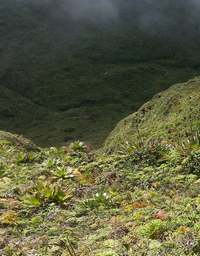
x=86, y=75
x=170, y=115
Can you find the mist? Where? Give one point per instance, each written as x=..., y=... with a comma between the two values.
x=147, y=14
x=152, y=16
x=115, y=9
x=93, y=10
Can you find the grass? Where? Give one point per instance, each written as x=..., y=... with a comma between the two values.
x=141, y=199
x=139, y=195
x=59, y=85
x=170, y=116
x=135, y=203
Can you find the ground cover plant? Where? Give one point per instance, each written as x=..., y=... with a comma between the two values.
x=68, y=75
x=135, y=196
x=72, y=201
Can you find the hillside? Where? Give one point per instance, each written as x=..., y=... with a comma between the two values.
x=141, y=200
x=75, y=79
x=171, y=116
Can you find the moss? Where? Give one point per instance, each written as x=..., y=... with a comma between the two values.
x=153, y=230
x=171, y=116
x=71, y=200
x=107, y=252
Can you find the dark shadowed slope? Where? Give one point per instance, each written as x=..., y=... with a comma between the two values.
x=75, y=79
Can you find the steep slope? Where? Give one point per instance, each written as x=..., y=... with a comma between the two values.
x=69, y=201
x=14, y=108
x=88, y=75
x=170, y=116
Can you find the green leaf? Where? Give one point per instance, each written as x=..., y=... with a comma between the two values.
x=31, y=201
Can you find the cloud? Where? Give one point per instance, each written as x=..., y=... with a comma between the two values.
x=147, y=14
x=91, y=9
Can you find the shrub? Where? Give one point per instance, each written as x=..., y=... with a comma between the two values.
x=153, y=153
x=192, y=164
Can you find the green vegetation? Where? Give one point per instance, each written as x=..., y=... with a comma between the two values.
x=63, y=81
x=66, y=81
x=143, y=199
x=171, y=116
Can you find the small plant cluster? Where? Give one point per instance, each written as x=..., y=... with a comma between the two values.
x=101, y=200
x=45, y=192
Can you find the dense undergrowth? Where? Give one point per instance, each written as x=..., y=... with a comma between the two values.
x=73, y=201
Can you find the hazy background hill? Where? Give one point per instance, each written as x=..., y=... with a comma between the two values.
x=72, y=69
